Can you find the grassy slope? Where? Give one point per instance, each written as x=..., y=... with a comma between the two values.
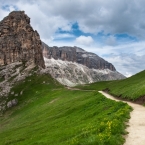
x=50, y=114
x=131, y=88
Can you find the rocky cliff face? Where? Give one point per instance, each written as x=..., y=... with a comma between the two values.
x=78, y=55
x=18, y=40
x=20, y=55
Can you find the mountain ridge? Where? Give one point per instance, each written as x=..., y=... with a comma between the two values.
x=76, y=54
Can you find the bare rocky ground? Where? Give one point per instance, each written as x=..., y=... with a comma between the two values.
x=136, y=123
x=10, y=75
x=71, y=73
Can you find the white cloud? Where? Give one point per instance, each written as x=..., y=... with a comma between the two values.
x=3, y=14
x=127, y=74
x=45, y=23
x=127, y=64
x=62, y=36
x=84, y=40
x=93, y=16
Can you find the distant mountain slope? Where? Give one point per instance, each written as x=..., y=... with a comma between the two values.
x=72, y=73
x=73, y=65
x=78, y=55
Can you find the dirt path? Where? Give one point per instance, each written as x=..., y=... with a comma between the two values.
x=69, y=88
x=136, y=123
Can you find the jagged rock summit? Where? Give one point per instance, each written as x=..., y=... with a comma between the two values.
x=18, y=40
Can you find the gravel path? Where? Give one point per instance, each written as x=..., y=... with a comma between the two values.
x=136, y=123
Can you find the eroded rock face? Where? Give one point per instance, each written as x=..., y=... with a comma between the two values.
x=78, y=55
x=10, y=75
x=71, y=73
x=18, y=40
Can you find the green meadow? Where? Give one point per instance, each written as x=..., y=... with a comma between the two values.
x=49, y=114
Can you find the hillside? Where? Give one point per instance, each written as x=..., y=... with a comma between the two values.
x=47, y=113
x=132, y=88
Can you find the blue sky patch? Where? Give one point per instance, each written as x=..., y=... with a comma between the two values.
x=7, y=7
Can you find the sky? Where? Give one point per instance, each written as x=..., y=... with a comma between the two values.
x=112, y=29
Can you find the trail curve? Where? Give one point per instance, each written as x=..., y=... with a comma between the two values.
x=136, y=123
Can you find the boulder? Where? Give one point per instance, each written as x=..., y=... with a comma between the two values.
x=12, y=103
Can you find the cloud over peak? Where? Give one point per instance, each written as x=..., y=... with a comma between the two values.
x=84, y=40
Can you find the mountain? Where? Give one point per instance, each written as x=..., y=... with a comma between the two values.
x=18, y=41
x=73, y=65
x=78, y=55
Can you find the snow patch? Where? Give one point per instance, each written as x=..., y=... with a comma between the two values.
x=79, y=49
x=84, y=55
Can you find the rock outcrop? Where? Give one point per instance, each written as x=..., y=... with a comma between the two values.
x=18, y=40
x=12, y=103
x=10, y=75
x=78, y=55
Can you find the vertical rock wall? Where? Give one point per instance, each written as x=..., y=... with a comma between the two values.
x=18, y=40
